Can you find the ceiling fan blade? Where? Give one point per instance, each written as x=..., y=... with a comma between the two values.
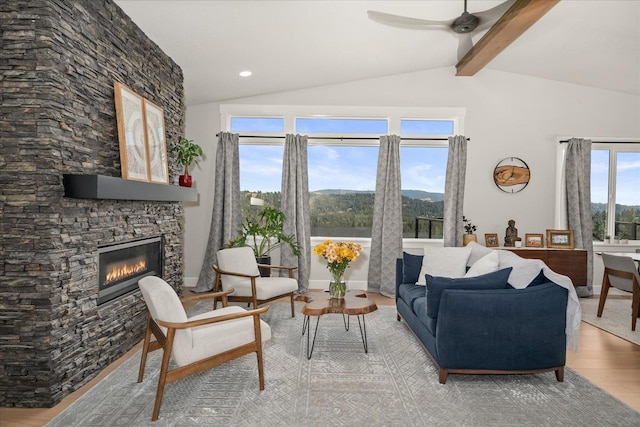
x=490, y=16
x=464, y=44
x=406, y=22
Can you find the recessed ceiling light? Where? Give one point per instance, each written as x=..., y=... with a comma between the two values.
x=245, y=73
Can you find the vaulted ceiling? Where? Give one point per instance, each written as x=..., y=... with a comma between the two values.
x=298, y=44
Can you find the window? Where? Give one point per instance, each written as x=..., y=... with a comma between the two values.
x=342, y=183
x=426, y=127
x=342, y=172
x=423, y=171
x=342, y=177
x=615, y=191
x=256, y=124
x=322, y=125
x=260, y=164
x=260, y=176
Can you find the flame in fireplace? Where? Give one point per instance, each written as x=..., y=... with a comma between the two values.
x=122, y=271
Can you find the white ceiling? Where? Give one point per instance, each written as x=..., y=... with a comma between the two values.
x=297, y=44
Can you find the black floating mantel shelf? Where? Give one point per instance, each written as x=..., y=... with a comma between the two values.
x=113, y=188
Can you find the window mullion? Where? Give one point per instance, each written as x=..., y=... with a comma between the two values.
x=611, y=202
x=290, y=124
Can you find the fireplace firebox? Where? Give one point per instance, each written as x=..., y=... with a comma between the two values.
x=121, y=265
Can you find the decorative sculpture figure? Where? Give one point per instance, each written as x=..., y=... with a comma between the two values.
x=511, y=235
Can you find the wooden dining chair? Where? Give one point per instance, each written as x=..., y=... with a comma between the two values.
x=621, y=273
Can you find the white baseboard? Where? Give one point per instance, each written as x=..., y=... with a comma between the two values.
x=356, y=285
x=190, y=282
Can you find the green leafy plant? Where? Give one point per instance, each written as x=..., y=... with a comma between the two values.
x=187, y=152
x=265, y=233
x=468, y=226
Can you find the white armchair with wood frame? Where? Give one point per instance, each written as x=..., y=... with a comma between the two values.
x=199, y=342
x=238, y=269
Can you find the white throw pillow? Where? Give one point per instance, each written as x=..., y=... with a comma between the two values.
x=487, y=264
x=477, y=252
x=444, y=262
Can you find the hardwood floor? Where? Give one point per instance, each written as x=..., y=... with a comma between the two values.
x=609, y=362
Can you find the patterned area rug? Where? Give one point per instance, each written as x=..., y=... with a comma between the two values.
x=616, y=317
x=395, y=384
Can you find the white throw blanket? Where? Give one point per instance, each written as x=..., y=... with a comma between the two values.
x=524, y=271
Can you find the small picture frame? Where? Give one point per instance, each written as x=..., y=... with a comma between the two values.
x=491, y=240
x=533, y=240
x=560, y=239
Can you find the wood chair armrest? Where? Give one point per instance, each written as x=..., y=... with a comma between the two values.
x=211, y=320
x=206, y=296
x=279, y=267
x=233, y=273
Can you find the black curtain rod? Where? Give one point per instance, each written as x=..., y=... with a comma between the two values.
x=344, y=138
x=564, y=141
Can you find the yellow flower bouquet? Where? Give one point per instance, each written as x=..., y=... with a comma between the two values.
x=338, y=256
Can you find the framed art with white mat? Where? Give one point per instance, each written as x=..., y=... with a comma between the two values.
x=131, y=133
x=156, y=143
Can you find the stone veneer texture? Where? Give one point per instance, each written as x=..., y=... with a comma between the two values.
x=59, y=61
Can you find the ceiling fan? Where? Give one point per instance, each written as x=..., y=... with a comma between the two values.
x=464, y=25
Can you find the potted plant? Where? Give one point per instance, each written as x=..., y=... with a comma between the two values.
x=187, y=152
x=624, y=238
x=469, y=229
x=263, y=234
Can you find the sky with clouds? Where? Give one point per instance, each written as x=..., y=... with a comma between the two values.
x=343, y=167
x=627, y=177
x=354, y=168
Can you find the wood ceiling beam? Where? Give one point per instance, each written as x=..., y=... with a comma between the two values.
x=515, y=21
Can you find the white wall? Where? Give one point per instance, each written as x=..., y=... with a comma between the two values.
x=507, y=115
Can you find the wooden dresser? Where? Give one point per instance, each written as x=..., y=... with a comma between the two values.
x=568, y=262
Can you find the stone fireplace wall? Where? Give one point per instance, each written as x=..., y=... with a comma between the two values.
x=60, y=59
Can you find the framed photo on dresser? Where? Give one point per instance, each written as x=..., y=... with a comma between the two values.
x=533, y=240
x=560, y=239
x=491, y=240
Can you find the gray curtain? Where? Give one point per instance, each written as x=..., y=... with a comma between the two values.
x=226, y=216
x=578, y=200
x=386, y=231
x=454, y=191
x=295, y=205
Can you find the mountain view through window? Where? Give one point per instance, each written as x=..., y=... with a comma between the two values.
x=615, y=194
x=342, y=175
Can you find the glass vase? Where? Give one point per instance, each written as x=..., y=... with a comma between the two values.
x=337, y=286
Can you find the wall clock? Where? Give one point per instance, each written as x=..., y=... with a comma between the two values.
x=511, y=175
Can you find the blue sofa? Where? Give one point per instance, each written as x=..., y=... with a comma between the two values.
x=482, y=325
